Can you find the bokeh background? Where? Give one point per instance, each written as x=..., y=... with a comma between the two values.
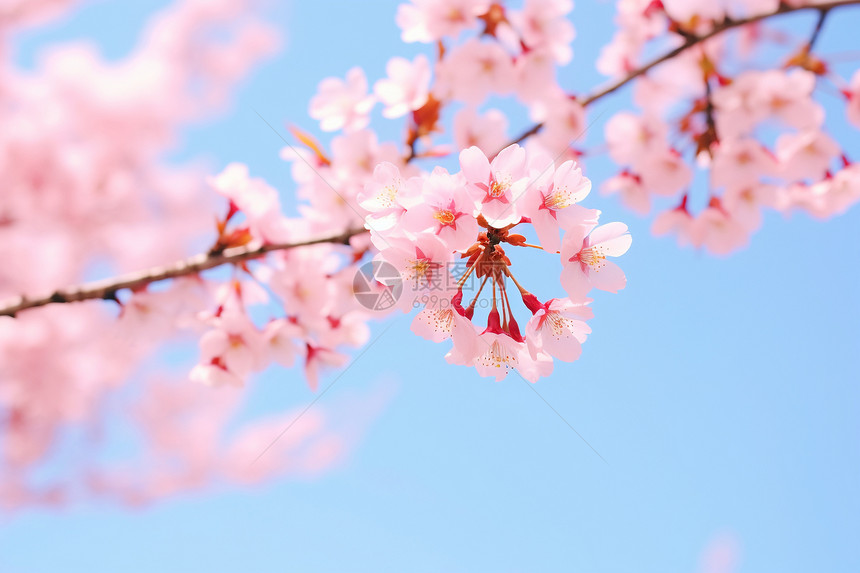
x=722, y=393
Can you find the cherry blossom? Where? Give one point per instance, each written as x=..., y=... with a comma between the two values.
x=406, y=88
x=452, y=218
x=741, y=162
x=726, y=120
x=630, y=137
x=558, y=328
x=487, y=132
x=806, y=154
x=550, y=201
x=565, y=122
x=719, y=232
x=473, y=70
x=583, y=254
x=543, y=25
x=431, y=20
x=343, y=104
x=446, y=209
x=677, y=221
x=632, y=192
x=498, y=185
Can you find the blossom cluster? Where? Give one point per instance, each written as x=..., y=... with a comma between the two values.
x=84, y=186
x=313, y=286
x=760, y=132
x=694, y=113
x=421, y=225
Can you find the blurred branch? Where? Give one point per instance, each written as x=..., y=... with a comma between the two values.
x=107, y=289
x=816, y=32
x=823, y=9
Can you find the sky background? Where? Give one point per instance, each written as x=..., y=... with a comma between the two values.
x=723, y=393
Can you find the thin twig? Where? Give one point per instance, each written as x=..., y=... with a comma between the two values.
x=816, y=32
x=107, y=289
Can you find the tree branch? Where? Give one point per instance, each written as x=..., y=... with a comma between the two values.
x=107, y=289
x=691, y=41
x=819, y=25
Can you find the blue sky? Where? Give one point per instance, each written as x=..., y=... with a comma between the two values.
x=722, y=392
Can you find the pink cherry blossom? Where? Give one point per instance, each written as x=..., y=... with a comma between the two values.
x=319, y=358
x=559, y=329
x=343, y=104
x=688, y=11
x=786, y=96
x=498, y=185
x=542, y=24
x=677, y=221
x=844, y=189
x=423, y=264
x=451, y=219
x=387, y=193
x=630, y=137
x=406, y=88
x=550, y=201
x=718, y=231
x=498, y=353
x=487, y=131
x=746, y=204
x=235, y=345
x=747, y=8
x=85, y=190
x=738, y=104
x=741, y=162
x=439, y=323
x=534, y=77
x=629, y=187
x=281, y=336
x=826, y=198
x=806, y=154
x=583, y=255
x=431, y=20
x=619, y=56
x=663, y=172
x=564, y=120
x=256, y=200
x=474, y=69
x=446, y=210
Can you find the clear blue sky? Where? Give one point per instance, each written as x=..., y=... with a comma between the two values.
x=723, y=392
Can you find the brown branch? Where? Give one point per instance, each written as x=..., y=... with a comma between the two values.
x=710, y=136
x=819, y=25
x=688, y=43
x=107, y=289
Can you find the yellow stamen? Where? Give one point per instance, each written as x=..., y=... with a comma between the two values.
x=418, y=269
x=593, y=257
x=444, y=216
x=499, y=188
x=559, y=199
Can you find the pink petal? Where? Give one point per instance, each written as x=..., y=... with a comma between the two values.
x=575, y=282
x=606, y=232
x=475, y=166
x=609, y=277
